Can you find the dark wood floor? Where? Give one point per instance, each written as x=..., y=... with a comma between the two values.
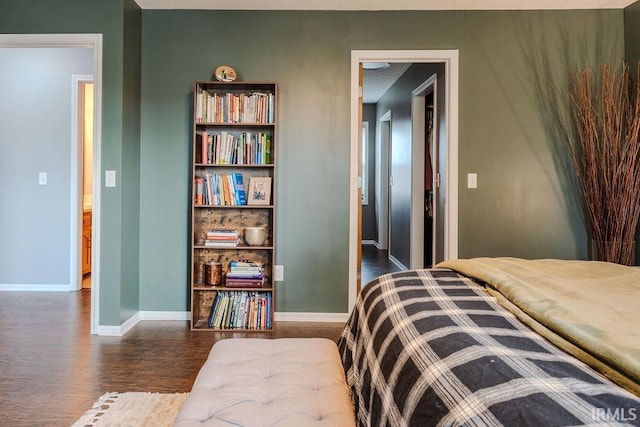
x=52, y=369
x=375, y=263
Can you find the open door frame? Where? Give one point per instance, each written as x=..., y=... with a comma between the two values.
x=418, y=151
x=450, y=60
x=94, y=42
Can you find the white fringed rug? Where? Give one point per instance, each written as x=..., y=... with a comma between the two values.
x=133, y=410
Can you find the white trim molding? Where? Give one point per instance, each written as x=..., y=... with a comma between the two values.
x=118, y=331
x=77, y=171
x=165, y=315
x=34, y=287
x=450, y=60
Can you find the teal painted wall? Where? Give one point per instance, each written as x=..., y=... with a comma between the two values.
x=119, y=219
x=522, y=207
x=632, y=33
x=131, y=72
x=632, y=56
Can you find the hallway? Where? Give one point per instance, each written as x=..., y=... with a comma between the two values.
x=375, y=262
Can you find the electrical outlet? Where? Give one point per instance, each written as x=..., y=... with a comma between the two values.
x=42, y=178
x=278, y=273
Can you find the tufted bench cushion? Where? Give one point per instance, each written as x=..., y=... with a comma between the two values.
x=270, y=382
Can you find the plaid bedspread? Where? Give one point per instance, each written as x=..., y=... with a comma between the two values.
x=430, y=347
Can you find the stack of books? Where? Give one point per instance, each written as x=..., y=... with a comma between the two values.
x=222, y=238
x=245, y=274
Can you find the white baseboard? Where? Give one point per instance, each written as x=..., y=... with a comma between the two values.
x=397, y=263
x=35, y=288
x=164, y=315
x=119, y=331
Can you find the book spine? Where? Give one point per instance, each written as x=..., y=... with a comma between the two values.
x=269, y=296
x=204, y=155
x=199, y=186
x=214, y=308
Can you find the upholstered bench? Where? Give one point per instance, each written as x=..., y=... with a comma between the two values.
x=270, y=382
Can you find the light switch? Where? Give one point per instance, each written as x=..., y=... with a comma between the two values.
x=278, y=273
x=472, y=180
x=42, y=178
x=110, y=178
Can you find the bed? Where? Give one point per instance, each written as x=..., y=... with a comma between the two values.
x=470, y=343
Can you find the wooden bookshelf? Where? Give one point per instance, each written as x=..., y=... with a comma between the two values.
x=234, y=133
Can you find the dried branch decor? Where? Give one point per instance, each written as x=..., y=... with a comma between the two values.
x=602, y=133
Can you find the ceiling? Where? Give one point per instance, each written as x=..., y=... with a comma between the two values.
x=383, y=4
x=376, y=82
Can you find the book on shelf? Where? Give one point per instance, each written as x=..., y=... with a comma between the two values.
x=225, y=148
x=234, y=107
x=220, y=190
x=214, y=306
x=245, y=274
x=221, y=244
x=245, y=267
x=241, y=310
x=223, y=234
x=238, y=187
x=244, y=282
x=198, y=191
x=222, y=238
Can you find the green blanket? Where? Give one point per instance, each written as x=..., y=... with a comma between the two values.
x=595, y=306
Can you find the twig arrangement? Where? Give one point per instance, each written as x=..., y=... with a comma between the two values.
x=603, y=143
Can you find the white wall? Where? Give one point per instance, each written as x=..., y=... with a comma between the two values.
x=35, y=136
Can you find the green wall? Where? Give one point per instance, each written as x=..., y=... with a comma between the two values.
x=632, y=34
x=521, y=208
x=119, y=219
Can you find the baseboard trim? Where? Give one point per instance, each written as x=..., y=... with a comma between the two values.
x=35, y=288
x=397, y=263
x=118, y=331
x=165, y=315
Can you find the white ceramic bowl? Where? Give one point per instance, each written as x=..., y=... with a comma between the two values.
x=254, y=236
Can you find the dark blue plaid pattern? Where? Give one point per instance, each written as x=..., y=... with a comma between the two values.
x=430, y=347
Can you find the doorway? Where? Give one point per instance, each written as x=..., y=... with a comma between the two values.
x=450, y=217
x=74, y=181
x=426, y=200
x=83, y=97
